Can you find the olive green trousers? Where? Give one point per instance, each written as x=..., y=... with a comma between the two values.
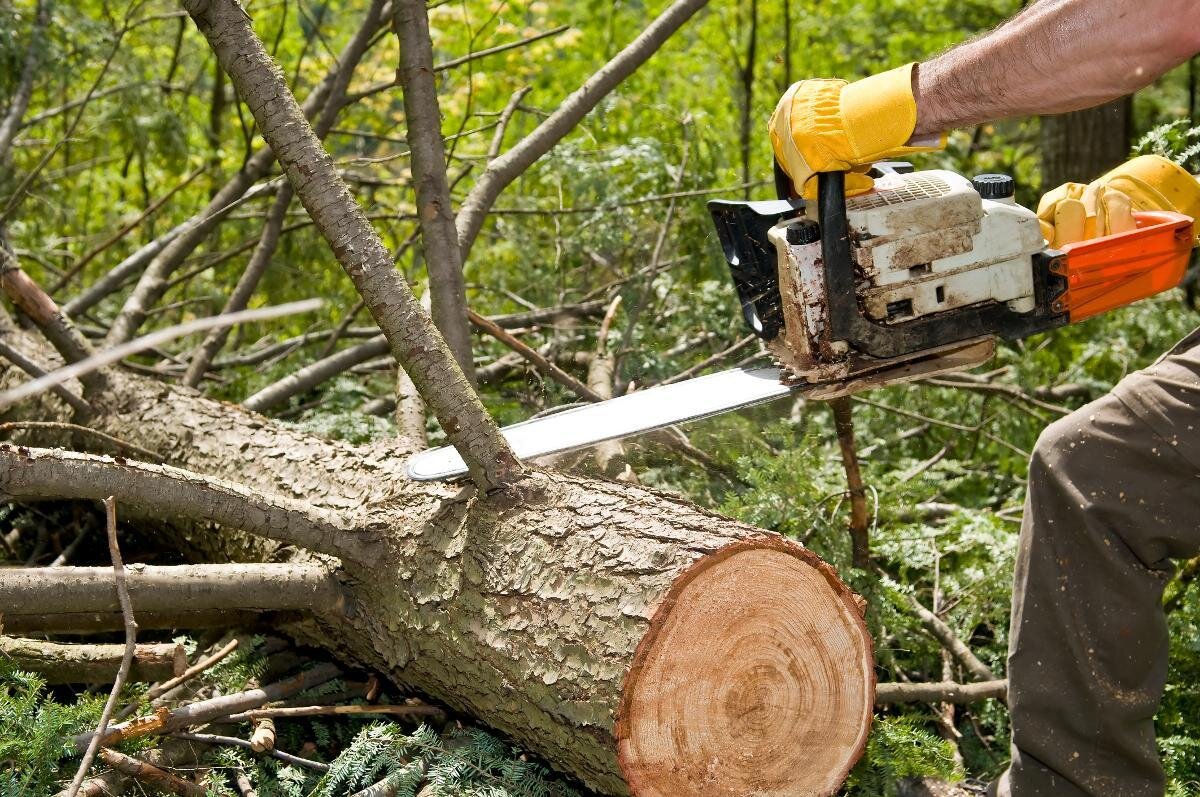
x=1113, y=498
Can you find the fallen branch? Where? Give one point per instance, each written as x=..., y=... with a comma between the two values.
x=420, y=710
x=947, y=692
x=58, y=663
x=115, y=354
x=537, y=360
x=157, y=490
x=150, y=775
x=313, y=374
x=260, y=587
x=131, y=629
x=205, y=711
x=950, y=641
x=233, y=741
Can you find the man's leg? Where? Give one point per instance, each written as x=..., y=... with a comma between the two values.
x=1114, y=494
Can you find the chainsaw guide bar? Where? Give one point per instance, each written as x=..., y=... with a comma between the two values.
x=624, y=416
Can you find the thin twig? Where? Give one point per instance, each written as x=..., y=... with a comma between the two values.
x=114, y=550
x=158, y=691
x=537, y=360
x=118, y=353
x=212, y=738
x=420, y=710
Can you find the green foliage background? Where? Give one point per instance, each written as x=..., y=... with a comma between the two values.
x=945, y=466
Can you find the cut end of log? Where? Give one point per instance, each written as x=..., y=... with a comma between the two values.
x=757, y=677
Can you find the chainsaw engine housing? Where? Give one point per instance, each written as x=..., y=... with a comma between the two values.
x=925, y=270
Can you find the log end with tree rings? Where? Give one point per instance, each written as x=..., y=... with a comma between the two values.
x=757, y=677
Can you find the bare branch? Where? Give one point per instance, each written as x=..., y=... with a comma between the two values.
x=233, y=741
x=948, y=692
x=155, y=778
x=326, y=100
x=81, y=407
x=157, y=490
x=537, y=360
x=254, y=587
x=131, y=629
x=204, y=711
x=88, y=664
x=950, y=641
x=239, y=299
x=115, y=354
x=439, y=240
x=413, y=339
x=860, y=539
x=501, y=172
x=315, y=373
x=20, y=102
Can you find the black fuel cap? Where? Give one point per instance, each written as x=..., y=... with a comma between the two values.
x=995, y=186
x=803, y=231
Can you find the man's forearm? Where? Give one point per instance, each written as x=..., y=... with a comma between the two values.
x=1056, y=56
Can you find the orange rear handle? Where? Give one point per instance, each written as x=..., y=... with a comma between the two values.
x=1116, y=270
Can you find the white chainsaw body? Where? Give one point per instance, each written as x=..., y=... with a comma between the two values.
x=923, y=243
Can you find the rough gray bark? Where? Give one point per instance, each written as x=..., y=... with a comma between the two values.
x=92, y=664
x=239, y=299
x=508, y=167
x=258, y=587
x=412, y=336
x=439, y=240
x=529, y=608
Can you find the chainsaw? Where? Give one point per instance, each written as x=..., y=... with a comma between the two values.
x=921, y=276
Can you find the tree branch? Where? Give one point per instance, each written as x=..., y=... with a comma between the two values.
x=324, y=99
x=537, y=360
x=501, y=172
x=80, y=664
x=239, y=299
x=157, y=490
x=439, y=240
x=255, y=587
x=131, y=629
x=412, y=336
x=20, y=102
x=948, y=692
x=315, y=373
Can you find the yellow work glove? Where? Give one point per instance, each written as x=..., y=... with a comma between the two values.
x=832, y=125
x=1076, y=212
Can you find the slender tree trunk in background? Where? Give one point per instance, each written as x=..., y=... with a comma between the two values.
x=501, y=172
x=787, y=45
x=1082, y=145
x=439, y=239
x=19, y=103
x=1194, y=89
x=749, y=130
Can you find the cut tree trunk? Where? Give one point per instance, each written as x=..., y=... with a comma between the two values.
x=630, y=639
